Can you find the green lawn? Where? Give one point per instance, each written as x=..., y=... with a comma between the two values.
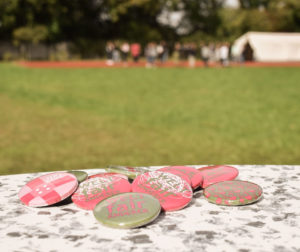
x=56, y=119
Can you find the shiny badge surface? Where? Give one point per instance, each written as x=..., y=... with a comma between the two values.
x=127, y=210
x=233, y=193
x=92, y=191
x=48, y=189
x=172, y=191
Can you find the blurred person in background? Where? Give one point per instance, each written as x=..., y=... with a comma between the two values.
x=135, y=50
x=224, y=54
x=217, y=56
x=151, y=54
x=109, y=48
x=165, y=55
x=116, y=53
x=182, y=52
x=191, y=50
x=125, y=48
x=205, y=53
x=160, y=51
x=176, y=53
x=163, y=51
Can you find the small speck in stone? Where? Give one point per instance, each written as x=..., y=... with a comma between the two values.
x=27, y=235
x=14, y=234
x=276, y=218
x=197, y=204
x=70, y=210
x=169, y=227
x=208, y=234
x=278, y=181
x=139, y=239
x=74, y=237
x=229, y=242
x=43, y=236
x=280, y=191
x=94, y=238
x=57, y=216
x=19, y=212
x=44, y=213
x=244, y=250
x=257, y=224
x=214, y=212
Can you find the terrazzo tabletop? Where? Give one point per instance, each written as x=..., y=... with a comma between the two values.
x=272, y=224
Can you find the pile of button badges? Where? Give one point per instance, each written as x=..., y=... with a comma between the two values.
x=118, y=203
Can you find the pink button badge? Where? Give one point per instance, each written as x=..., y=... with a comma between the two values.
x=172, y=191
x=94, y=190
x=108, y=174
x=189, y=174
x=48, y=189
x=217, y=173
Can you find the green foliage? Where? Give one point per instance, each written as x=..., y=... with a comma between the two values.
x=28, y=34
x=7, y=56
x=254, y=4
x=237, y=22
x=24, y=36
x=285, y=15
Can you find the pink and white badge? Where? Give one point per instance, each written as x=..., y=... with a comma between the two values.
x=173, y=170
x=172, y=191
x=94, y=190
x=217, y=173
x=48, y=189
x=189, y=174
x=108, y=174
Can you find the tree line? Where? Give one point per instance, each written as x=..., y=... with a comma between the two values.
x=88, y=23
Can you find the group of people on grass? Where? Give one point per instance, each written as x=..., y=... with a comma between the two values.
x=159, y=53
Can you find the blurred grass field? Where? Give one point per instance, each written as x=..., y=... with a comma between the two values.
x=61, y=119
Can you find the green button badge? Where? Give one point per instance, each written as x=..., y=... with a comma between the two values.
x=233, y=193
x=127, y=210
x=130, y=172
x=80, y=175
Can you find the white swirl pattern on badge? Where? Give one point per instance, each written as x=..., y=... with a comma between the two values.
x=166, y=182
x=101, y=183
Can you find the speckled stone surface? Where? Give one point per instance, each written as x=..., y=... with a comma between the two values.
x=272, y=224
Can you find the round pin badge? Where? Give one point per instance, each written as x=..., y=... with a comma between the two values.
x=173, y=170
x=189, y=174
x=92, y=191
x=217, y=173
x=233, y=193
x=171, y=190
x=48, y=189
x=80, y=175
x=108, y=174
x=130, y=172
x=127, y=210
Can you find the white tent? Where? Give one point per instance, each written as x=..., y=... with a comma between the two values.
x=270, y=46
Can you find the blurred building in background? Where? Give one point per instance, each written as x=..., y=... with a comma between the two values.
x=267, y=47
